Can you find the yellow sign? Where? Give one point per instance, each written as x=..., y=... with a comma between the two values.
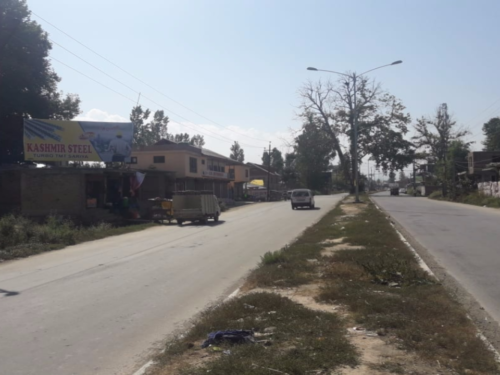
x=52, y=140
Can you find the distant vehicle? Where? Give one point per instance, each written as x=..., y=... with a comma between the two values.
x=302, y=198
x=394, y=188
x=288, y=194
x=402, y=190
x=195, y=206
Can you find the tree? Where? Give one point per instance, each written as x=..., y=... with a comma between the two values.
x=491, y=131
x=435, y=135
x=28, y=84
x=237, y=152
x=148, y=132
x=277, y=161
x=392, y=177
x=382, y=122
x=197, y=140
x=402, y=176
x=313, y=155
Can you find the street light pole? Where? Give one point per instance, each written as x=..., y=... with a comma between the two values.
x=355, y=148
x=355, y=120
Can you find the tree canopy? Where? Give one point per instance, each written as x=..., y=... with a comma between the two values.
x=28, y=83
x=148, y=131
x=237, y=153
x=277, y=161
x=491, y=131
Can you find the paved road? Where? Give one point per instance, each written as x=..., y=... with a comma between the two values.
x=463, y=239
x=98, y=307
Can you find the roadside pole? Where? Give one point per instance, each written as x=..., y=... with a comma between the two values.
x=414, y=181
x=269, y=174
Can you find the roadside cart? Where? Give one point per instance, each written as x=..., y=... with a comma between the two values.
x=161, y=209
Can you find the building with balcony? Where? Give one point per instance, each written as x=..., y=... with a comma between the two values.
x=195, y=168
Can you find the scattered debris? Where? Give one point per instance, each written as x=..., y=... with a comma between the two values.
x=232, y=336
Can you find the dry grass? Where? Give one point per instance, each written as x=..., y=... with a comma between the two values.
x=386, y=290
x=303, y=340
x=374, y=277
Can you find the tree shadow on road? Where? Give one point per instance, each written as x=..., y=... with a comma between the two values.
x=8, y=293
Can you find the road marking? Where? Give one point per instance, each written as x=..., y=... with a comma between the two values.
x=143, y=369
x=420, y=261
x=232, y=295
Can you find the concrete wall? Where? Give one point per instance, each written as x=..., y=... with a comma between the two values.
x=239, y=173
x=10, y=191
x=489, y=188
x=175, y=161
x=43, y=192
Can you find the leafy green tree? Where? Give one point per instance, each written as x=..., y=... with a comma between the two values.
x=435, y=135
x=277, y=161
x=491, y=131
x=148, y=131
x=28, y=84
x=313, y=155
x=197, y=140
x=237, y=152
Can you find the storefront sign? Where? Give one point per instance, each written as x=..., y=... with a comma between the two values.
x=214, y=174
x=51, y=140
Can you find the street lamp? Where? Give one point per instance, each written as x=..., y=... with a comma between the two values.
x=355, y=125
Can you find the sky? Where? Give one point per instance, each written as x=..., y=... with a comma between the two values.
x=231, y=69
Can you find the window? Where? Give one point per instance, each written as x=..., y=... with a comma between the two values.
x=133, y=160
x=231, y=173
x=193, y=165
x=158, y=159
x=246, y=172
x=203, y=161
x=495, y=159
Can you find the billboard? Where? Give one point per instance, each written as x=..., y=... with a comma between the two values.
x=52, y=140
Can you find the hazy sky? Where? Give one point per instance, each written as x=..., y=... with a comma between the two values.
x=240, y=63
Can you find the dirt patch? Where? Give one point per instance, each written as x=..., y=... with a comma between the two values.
x=332, y=241
x=329, y=251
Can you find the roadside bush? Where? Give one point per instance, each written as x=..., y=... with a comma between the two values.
x=22, y=237
x=438, y=194
x=480, y=199
x=273, y=257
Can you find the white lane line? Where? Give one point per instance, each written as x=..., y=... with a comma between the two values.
x=143, y=369
x=232, y=295
x=420, y=261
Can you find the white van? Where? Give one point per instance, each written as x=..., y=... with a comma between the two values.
x=302, y=198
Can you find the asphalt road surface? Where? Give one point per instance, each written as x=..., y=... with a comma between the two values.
x=99, y=307
x=463, y=239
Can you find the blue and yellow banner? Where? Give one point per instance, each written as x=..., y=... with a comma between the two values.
x=53, y=140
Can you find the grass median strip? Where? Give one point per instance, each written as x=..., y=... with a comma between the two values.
x=357, y=271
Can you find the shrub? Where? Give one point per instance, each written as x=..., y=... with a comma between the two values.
x=438, y=194
x=273, y=257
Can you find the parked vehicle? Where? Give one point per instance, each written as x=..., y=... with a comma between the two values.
x=302, y=198
x=402, y=190
x=195, y=206
x=394, y=189
x=289, y=194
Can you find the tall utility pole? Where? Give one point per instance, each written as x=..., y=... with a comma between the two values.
x=355, y=146
x=269, y=175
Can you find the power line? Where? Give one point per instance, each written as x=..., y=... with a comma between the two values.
x=132, y=100
x=137, y=92
x=143, y=82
